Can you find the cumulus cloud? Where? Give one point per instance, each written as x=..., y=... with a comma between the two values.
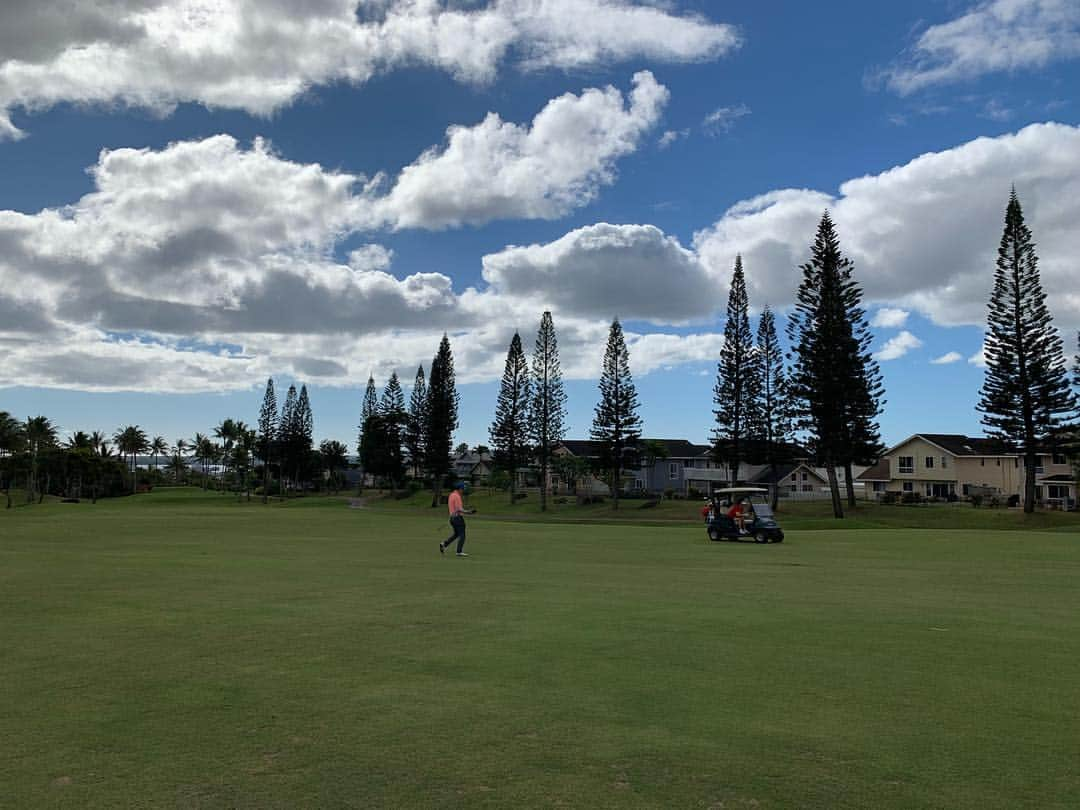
x=498, y=169
x=897, y=346
x=993, y=36
x=923, y=235
x=207, y=266
x=889, y=318
x=259, y=55
x=634, y=271
x=947, y=358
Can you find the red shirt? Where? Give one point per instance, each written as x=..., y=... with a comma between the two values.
x=454, y=502
x=734, y=511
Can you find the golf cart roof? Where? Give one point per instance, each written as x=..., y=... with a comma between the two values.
x=741, y=491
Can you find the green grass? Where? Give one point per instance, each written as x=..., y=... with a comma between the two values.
x=791, y=514
x=181, y=650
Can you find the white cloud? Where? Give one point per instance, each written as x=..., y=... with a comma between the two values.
x=723, y=119
x=208, y=266
x=923, y=235
x=671, y=136
x=633, y=271
x=979, y=358
x=889, y=318
x=259, y=55
x=947, y=358
x=498, y=169
x=993, y=36
x=897, y=346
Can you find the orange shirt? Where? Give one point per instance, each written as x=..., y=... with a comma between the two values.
x=454, y=502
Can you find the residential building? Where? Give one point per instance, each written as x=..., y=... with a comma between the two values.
x=939, y=465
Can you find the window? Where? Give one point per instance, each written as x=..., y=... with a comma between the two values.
x=879, y=486
x=794, y=477
x=1057, y=491
x=944, y=462
x=807, y=488
x=908, y=486
x=929, y=462
x=794, y=488
x=673, y=471
x=1038, y=464
x=907, y=464
x=805, y=477
x=965, y=490
x=639, y=484
x=1058, y=458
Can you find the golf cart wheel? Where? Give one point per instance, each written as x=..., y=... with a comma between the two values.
x=761, y=537
x=714, y=535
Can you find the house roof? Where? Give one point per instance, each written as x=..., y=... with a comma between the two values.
x=959, y=445
x=1057, y=479
x=765, y=475
x=879, y=472
x=676, y=448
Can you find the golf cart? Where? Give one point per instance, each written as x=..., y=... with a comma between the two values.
x=759, y=524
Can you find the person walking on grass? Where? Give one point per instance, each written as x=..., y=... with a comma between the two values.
x=457, y=520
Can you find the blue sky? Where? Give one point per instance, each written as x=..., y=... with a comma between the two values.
x=158, y=262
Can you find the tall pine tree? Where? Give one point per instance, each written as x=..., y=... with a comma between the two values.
x=616, y=424
x=287, y=440
x=393, y=415
x=822, y=339
x=773, y=442
x=416, y=423
x=1025, y=394
x=267, y=434
x=547, y=408
x=864, y=390
x=509, y=430
x=305, y=435
x=368, y=408
x=737, y=384
x=442, y=417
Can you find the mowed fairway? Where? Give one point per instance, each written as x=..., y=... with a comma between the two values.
x=182, y=650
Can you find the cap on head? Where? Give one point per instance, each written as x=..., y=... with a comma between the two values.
x=459, y=485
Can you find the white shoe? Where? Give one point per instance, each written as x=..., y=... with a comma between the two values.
x=462, y=554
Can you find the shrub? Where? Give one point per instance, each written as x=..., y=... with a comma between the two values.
x=669, y=493
x=1014, y=501
x=976, y=501
x=649, y=504
x=889, y=497
x=693, y=493
x=520, y=496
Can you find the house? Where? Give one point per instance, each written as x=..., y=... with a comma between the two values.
x=945, y=465
x=473, y=467
x=688, y=466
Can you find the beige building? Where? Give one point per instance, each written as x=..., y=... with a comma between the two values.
x=937, y=465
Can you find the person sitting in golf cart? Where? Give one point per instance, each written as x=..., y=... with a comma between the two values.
x=738, y=513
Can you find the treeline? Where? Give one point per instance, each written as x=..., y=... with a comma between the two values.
x=825, y=393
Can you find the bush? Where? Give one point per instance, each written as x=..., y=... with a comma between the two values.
x=649, y=504
x=889, y=497
x=976, y=501
x=669, y=493
x=520, y=496
x=560, y=500
x=1014, y=501
x=911, y=498
x=693, y=493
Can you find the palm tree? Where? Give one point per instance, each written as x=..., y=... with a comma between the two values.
x=243, y=451
x=158, y=447
x=178, y=464
x=40, y=436
x=11, y=443
x=99, y=443
x=202, y=448
x=79, y=440
x=226, y=432
x=132, y=440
